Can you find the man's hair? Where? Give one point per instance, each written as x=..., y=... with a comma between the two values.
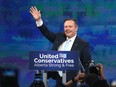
x=67, y=19
x=100, y=83
x=37, y=84
x=91, y=78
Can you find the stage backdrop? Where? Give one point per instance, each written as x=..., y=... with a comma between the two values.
x=19, y=34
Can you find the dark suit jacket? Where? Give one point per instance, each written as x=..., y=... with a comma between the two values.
x=79, y=45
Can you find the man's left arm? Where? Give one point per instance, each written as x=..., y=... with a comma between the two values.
x=85, y=56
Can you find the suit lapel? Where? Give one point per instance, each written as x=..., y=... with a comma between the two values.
x=75, y=44
x=60, y=39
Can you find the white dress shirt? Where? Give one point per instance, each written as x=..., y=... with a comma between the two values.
x=39, y=23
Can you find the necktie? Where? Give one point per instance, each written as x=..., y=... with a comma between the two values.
x=65, y=48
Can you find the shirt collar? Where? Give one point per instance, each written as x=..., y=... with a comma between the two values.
x=71, y=39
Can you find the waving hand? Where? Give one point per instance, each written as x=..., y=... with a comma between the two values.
x=35, y=13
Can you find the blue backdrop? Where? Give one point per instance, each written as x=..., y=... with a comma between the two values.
x=19, y=35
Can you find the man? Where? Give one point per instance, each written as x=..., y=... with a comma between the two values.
x=59, y=40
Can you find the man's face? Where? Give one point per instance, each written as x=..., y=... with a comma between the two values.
x=70, y=28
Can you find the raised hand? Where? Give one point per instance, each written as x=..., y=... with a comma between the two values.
x=101, y=70
x=35, y=13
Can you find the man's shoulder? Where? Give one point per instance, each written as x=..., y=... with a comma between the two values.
x=61, y=34
x=82, y=41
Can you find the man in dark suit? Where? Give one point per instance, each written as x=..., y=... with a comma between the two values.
x=59, y=40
